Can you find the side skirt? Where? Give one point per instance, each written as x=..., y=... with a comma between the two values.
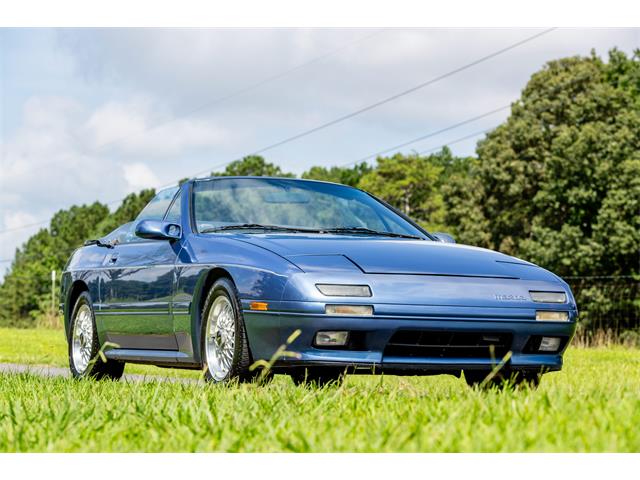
x=160, y=358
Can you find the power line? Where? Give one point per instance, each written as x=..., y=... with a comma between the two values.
x=211, y=103
x=29, y=257
x=458, y=140
x=452, y=142
x=221, y=99
x=428, y=135
x=363, y=109
x=434, y=149
x=246, y=89
x=401, y=94
x=23, y=227
x=387, y=99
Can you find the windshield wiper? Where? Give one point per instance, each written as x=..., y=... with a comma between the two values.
x=368, y=231
x=258, y=226
x=280, y=228
x=98, y=243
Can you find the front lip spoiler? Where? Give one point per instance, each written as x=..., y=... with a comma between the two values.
x=365, y=368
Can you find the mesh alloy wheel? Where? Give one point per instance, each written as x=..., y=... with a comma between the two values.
x=82, y=339
x=224, y=346
x=84, y=359
x=220, y=340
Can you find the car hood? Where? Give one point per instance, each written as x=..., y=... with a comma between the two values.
x=395, y=256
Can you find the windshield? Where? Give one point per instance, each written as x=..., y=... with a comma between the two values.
x=253, y=203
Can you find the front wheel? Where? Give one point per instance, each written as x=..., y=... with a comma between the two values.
x=225, y=349
x=84, y=360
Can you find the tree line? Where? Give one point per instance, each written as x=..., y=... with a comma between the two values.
x=558, y=184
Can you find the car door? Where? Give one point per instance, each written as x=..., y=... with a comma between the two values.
x=139, y=285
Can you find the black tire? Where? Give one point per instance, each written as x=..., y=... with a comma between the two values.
x=241, y=359
x=318, y=376
x=505, y=380
x=97, y=368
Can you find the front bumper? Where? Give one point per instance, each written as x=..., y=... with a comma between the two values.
x=268, y=330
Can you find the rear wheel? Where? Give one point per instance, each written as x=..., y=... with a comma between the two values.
x=84, y=345
x=225, y=349
x=318, y=376
x=506, y=380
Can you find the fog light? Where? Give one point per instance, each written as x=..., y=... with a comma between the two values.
x=548, y=297
x=331, y=339
x=549, y=344
x=348, y=310
x=543, y=316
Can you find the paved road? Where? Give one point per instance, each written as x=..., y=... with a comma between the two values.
x=49, y=371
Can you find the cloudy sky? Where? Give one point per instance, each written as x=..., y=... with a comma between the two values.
x=93, y=114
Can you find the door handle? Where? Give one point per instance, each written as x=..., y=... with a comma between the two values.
x=113, y=258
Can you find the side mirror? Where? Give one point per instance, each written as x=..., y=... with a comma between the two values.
x=444, y=237
x=157, y=230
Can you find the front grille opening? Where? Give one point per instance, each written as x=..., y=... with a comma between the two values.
x=442, y=344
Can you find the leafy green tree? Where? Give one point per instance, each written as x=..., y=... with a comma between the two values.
x=346, y=176
x=26, y=286
x=463, y=214
x=413, y=184
x=25, y=289
x=252, y=165
x=559, y=182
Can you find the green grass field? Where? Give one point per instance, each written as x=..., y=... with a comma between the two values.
x=593, y=405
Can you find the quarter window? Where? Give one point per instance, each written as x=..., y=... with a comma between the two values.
x=173, y=215
x=157, y=207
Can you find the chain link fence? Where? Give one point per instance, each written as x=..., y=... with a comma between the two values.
x=609, y=308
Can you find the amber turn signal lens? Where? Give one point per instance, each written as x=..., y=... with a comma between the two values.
x=259, y=306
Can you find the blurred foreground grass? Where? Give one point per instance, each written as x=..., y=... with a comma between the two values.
x=592, y=405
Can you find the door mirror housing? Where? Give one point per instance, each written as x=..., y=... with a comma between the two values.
x=158, y=230
x=444, y=237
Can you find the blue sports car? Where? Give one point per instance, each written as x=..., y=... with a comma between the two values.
x=218, y=273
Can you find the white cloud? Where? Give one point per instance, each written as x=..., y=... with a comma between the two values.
x=56, y=157
x=135, y=128
x=16, y=219
x=10, y=241
x=189, y=67
x=139, y=176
